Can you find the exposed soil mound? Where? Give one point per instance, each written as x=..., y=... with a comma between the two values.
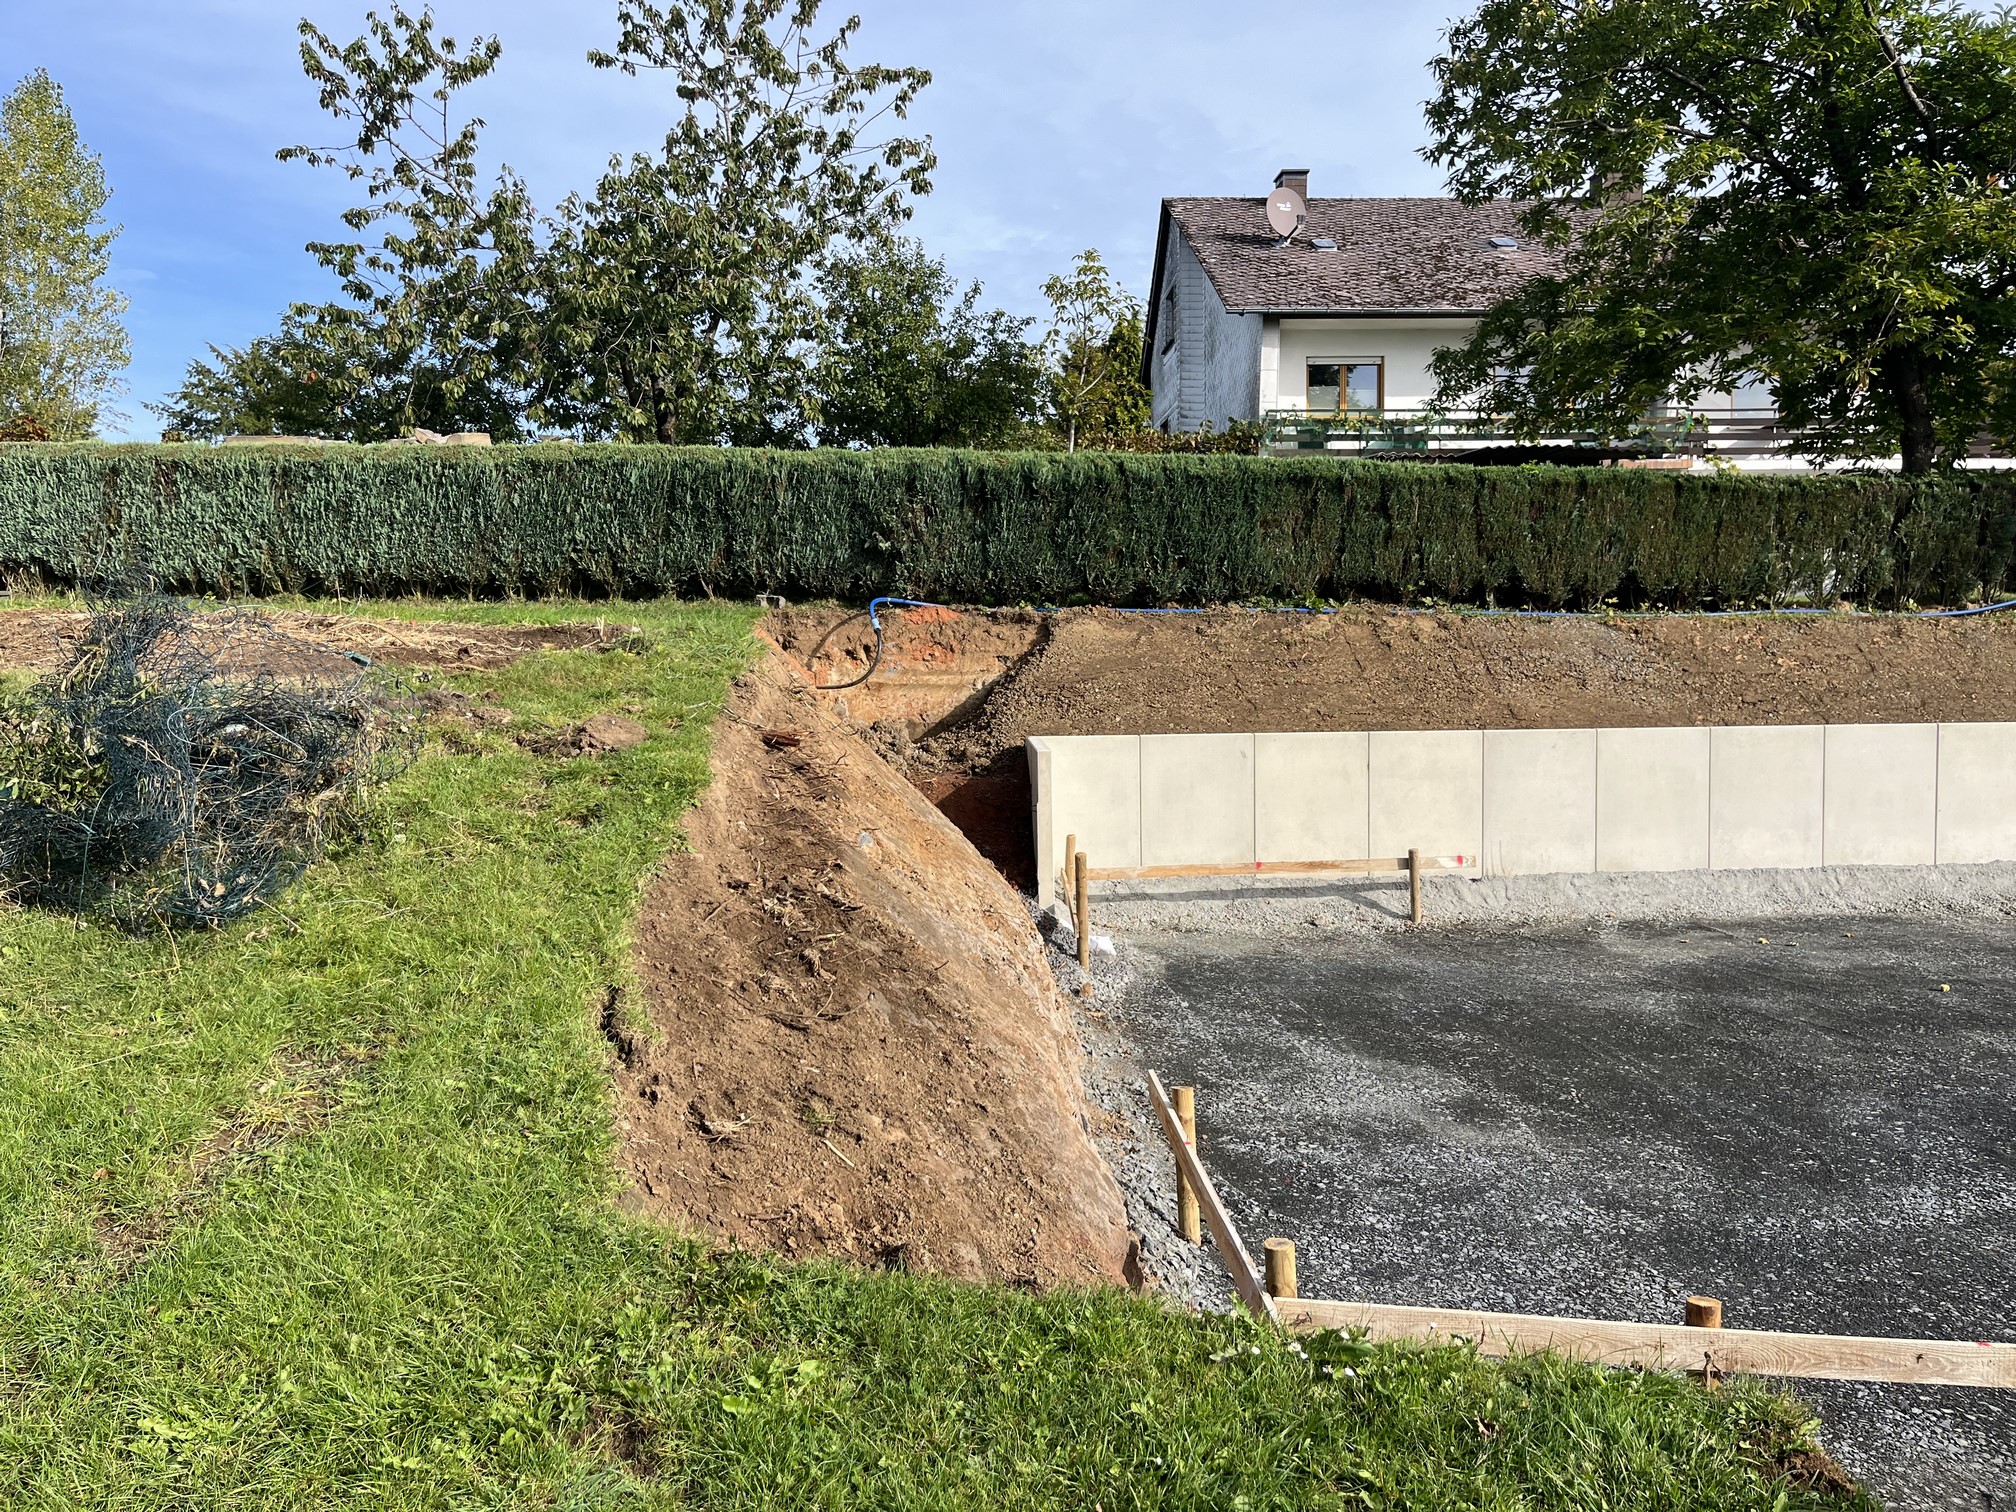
x=39, y=640
x=937, y=666
x=956, y=694
x=1378, y=669
x=861, y=1050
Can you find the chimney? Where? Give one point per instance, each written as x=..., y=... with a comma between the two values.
x=1293, y=178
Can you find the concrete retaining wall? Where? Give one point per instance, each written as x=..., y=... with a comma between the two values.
x=1522, y=802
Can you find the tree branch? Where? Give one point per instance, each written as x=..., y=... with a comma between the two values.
x=1918, y=106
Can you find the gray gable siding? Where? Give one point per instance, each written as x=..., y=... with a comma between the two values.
x=1211, y=372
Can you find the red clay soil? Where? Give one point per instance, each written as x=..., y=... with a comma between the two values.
x=39, y=640
x=858, y=1048
x=956, y=695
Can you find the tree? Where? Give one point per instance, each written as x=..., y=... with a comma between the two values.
x=1093, y=380
x=329, y=371
x=1815, y=193
x=679, y=302
x=1117, y=415
x=62, y=344
x=446, y=313
x=686, y=285
x=910, y=361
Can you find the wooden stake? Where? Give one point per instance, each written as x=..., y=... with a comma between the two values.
x=1231, y=1248
x=1070, y=850
x=1280, y=1255
x=1084, y=890
x=1414, y=886
x=1705, y=1312
x=1185, y=1100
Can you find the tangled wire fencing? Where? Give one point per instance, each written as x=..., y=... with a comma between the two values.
x=187, y=768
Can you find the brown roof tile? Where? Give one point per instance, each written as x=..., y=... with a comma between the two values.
x=1392, y=254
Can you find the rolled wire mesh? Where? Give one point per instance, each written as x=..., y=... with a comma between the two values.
x=187, y=767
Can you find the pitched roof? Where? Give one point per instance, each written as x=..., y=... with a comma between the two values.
x=1391, y=255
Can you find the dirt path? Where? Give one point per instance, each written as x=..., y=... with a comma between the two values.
x=39, y=640
x=860, y=1048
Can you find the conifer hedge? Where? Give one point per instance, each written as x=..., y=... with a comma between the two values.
x=986, y=528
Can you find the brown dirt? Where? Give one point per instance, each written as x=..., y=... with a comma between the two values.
x=957, y=694
x=859, y=1048
x=39, y=640
x=1381, y=670
x=937, y=666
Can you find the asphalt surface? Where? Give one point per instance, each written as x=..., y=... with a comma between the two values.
x=1599, y=1121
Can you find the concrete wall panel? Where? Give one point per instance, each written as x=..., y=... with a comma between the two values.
x=1539, y=802
x=1094, y=791
x=1652, y=800
x=1766, y=792
x=1311, y=797
x=1529, y=801
x=1977, y=792
x=1426, y=792
x=1043, y=818
x=1196, y=801
x=1881, y=786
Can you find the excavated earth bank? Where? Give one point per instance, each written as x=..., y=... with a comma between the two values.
x=957, y=693
x=856, y=1046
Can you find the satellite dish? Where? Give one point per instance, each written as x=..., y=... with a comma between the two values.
x=1286, y=213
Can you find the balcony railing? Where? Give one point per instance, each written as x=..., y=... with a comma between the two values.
x=1727, y=435
x=1732, y=434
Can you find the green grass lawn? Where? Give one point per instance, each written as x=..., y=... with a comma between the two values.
x=317, y=1211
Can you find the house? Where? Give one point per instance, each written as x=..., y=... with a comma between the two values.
x=1339, y=321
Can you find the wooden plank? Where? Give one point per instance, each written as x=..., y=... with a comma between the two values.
x=1730, y=1351
x=1245, y=1279
x=1376, y=865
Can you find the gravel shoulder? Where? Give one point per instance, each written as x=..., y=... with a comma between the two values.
x=1293, y=908
x=1125, y=1131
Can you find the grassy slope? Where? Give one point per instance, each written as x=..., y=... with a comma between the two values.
x=316, y=1211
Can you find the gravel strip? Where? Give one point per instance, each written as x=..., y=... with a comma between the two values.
x=1128, y=1136
x=1279, y=907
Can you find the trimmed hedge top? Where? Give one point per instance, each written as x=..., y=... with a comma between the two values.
x=987, y=528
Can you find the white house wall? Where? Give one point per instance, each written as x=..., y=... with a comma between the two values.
x=1405, y=347
x=1211, y=371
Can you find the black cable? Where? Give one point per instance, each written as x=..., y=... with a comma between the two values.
x=874, y=662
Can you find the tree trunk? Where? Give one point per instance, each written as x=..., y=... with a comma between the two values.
x=1905, y=370
x=664, y=415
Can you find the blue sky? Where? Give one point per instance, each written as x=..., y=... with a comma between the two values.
x=1058, y=126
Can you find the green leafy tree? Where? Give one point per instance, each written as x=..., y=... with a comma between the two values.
x=287, y=384
x=62, y=343
x=1811, y=193
x=679, y=302
x=909, y=360
x=685, y=288
x=443, y=274
x=328, y=371
x=1117, y=417
x=1094, y=382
